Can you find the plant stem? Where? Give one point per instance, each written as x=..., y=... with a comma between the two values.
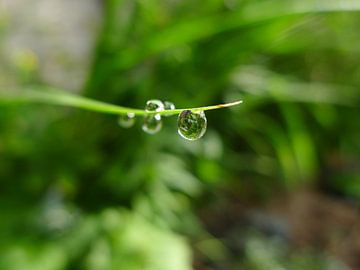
x=62, y=98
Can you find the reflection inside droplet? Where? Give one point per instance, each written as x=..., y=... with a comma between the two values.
x=192, y=125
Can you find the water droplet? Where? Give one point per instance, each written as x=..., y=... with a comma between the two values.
x=126, y=120
x=152, y=123
x=192, y=125
x=154, y=105
x=168, y=106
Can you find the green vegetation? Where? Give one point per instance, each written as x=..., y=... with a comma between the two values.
x=80, y=192
x=58, y=97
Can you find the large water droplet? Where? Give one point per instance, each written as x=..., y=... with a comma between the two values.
x=192, y=125
x=154, y=105
x=152, y=123
x=126, y=120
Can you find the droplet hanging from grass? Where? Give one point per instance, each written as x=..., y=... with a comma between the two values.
x=126, y=120
x=152, y=123
x=192, y=125
x=191, y=122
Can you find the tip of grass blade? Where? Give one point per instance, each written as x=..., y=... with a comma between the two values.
x=206, y=108
x=230, y=104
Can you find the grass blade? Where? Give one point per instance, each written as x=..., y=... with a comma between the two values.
x=188, y=31
x=62, y=98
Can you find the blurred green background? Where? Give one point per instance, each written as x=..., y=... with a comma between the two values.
x=274, y=183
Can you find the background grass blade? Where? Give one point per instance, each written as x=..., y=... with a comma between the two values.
x=182, y=32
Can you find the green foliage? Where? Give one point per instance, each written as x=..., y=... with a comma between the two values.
x=114, y=240
x=78, y=192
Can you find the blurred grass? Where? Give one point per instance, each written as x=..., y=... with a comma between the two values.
x=78, y=192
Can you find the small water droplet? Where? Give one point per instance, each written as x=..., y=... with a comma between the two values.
x=126, y=120
x=192, y=125
x=154, y=105
x=168, y=106
x=152, y=123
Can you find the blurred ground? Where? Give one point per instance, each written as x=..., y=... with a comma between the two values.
x=56, y=36
x=306, y=220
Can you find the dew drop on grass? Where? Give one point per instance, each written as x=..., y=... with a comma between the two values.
x=152, y=123
x=192, y=125
x=154, y=105
x=169, y=105
x=126, y=120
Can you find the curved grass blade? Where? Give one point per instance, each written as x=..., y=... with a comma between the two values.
x=62, y=98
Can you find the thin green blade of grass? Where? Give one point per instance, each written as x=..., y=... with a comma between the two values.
x=62, y=98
